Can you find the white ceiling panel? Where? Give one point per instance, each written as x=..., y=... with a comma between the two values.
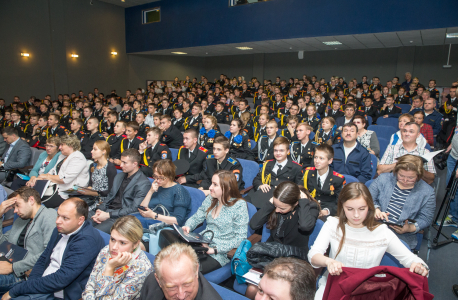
x=358, y=41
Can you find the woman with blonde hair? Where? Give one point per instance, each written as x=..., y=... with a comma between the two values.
x=247, y=127
x=101, y=172
x=121, y=267
x=402, y=197
x=357, y=239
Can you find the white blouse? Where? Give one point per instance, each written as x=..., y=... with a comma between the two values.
x=362, y=248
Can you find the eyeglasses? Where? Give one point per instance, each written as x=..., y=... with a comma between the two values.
x=157, y=177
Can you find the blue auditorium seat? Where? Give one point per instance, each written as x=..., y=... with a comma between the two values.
x=197, y=198
x=384, y=132
x=383, y=145
x=369, y=120
x=250, y=170
x=227, y=294
x=374, y=165
x=389, y=260
x=368, y=183
x=405, y=107
x=224, y=272
x=393, y=122
x=312, y=135
x=350, y=179
x=253, y=144
x=174, y=153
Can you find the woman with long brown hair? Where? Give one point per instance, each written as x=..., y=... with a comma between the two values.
x=226, y=214
x=357, y=239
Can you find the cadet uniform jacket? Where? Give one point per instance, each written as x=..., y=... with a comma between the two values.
x=290, y=172
x=211, y=166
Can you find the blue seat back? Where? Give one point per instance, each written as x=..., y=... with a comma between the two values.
x=428, y=147
x=250, y=170
x=227, y=294
x=223, y=127
x=369, y=120
x=197, y=197
x=405, y=107
x=312, y=135
x=174, y=153
x=253, y=144
x=251, y=211
x=383, y=145
x=350, y=179
x=383, y=131
x=368, y=183
x=393, y=122
x=389, y=260
x=374, y=165
x=312, y=238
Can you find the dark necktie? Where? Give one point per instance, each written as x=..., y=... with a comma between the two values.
x=279, y=169
x=128, y=145
x=319, y=182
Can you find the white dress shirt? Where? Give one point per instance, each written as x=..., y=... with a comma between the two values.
x=282, y=164
x=56, y=258
x=322, y=177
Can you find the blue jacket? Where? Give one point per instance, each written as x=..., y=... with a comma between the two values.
x=435, y=120
x=358, y=163
x=77, y=263
x=420, y=203
x=40, y=160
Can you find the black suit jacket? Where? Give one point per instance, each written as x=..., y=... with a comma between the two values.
x=196, y=162
x=172, y=137
x=328, y=194
x=291, y=172
x=211, y=166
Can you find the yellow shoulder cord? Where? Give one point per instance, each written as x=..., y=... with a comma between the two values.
x=144, y=158
x=186, y=125
x=122, y=146
x=47, y=133
x=107, y=138
x=100, y=126
x=447, y=111
x=26, y=127
x=265, y=180
x=306, y=174
x=179, y=152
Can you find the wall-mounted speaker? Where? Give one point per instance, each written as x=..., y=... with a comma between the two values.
x=300, y=54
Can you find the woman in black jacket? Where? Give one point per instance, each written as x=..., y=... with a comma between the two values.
x=290, y=215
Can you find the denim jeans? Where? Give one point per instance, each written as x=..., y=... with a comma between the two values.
x=36, y=297
x=146, y=222
x=7, y=282
x=454, y=203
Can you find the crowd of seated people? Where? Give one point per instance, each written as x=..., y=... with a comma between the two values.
x=108, y=165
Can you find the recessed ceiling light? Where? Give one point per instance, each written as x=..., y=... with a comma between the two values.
x=74, y=55
x=452, y=35
x=179, y=53
x=244, y=48
x=25, y=54
x=123, y=0
x=332, y=43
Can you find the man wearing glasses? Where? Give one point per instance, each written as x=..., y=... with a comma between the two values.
x=409, y=134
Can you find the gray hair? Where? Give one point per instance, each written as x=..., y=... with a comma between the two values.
x=72, y=141
x=173, y=253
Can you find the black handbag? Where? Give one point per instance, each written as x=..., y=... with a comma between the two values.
x=168, y=237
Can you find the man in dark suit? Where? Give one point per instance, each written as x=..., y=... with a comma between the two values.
x=171, y=136
x=220, y=160
x=194, y=155
x=17, y=155
x=389, y=110
x=153, y=151
x=129, y=189
x=348, y=116
x=195, y=119
x=335, y=111
x=63, y=269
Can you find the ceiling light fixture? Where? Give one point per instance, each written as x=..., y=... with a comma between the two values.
x=331, y=43
x=123, y=0
x=452, y=35
x=25, y=54
x=74, y=55
x=180, y=53
x=114, y=53
x=244, y=48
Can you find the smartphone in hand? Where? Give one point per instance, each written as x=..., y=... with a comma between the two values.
x=142, y=208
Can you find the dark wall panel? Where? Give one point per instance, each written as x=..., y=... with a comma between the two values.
x=50, y=30
x=186, y=23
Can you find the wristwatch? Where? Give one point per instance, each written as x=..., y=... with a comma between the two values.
x=155, y=217
x=216, y=250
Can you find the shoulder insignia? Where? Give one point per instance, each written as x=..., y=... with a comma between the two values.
x=82, y=132
x=210, y=156
x=315, y=143
x=181, y=147
x=100, y=135
x=296, y=163
x=140, y=138
x=124, y=136
x=231, y=160
x=162, y=145
x=203, y=149
x=310, y=168
x=269, y=160
x=337, y=174
x=263, y=136
x=63, y=127
x=295, y=142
